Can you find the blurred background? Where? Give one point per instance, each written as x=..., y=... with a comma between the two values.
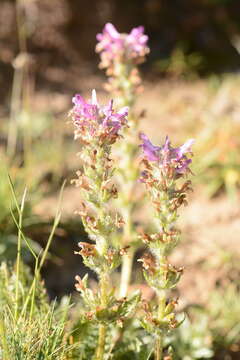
x=191, y=81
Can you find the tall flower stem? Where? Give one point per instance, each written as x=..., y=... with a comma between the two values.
x=102, y=327
x=159, y=339
x=126, y=272
x=101, y=342
x=98, y=128
x=161, y=304
x=158, y=348
x=126, y=86
x=127, y=175
x=122, y=84
x=120, y=56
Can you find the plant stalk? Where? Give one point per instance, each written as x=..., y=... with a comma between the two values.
x=158, y=348
x=126, y=272
x=101, y=342
x=19, y=246
x=102, y=327
x=3, y=338
x=127, y=260
x=159, y=340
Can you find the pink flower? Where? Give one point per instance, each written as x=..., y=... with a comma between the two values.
x=110, y=41
x=94, y=121
x=82, y=109
x=112, y=44
x=138, y=40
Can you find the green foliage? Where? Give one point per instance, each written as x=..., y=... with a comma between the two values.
x=116, y=310
x=180, y=63
x=33, y=328
x=133, y=343
x=218, y=156
x=122, y=343
x=214, y=122
x=208, y=330
x=8, y=208
x=224, y=313
x=37, y=334
x=30, y=327
x=85, y=334
x=192, y=340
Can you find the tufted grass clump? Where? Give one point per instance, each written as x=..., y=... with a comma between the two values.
x=31, y=327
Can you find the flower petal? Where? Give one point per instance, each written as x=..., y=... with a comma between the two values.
x=149, y=150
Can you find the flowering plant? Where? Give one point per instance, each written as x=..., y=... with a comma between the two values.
x=120, y=56
x=106, y=133
x=98, y=128
x=164, y=166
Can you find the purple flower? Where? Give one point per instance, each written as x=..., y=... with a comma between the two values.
x=151, y=152
x=166, y=156
x=92, y=120
x=114, y=120
x=185, y=147
x=176, y=156
x=112, y=44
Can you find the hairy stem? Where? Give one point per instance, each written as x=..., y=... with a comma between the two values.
x=126, y=272
x=127, y=260
x=101, y=342
x=102, y=327
x=158, y=349
x=161, y=304
x=159, y=340
x=161, y=312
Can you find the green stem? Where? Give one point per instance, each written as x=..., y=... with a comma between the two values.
x=19, y=245
x=126, y=272
x=127, y=98
x=102, y=327
x=158, y=349
x=21, y=27
x=161, y=305
x=159, y=339
x=38, y=268
x=14, y=111
x=35, y=281
x=101, y=342
x=3, y=338
x=127, y=260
